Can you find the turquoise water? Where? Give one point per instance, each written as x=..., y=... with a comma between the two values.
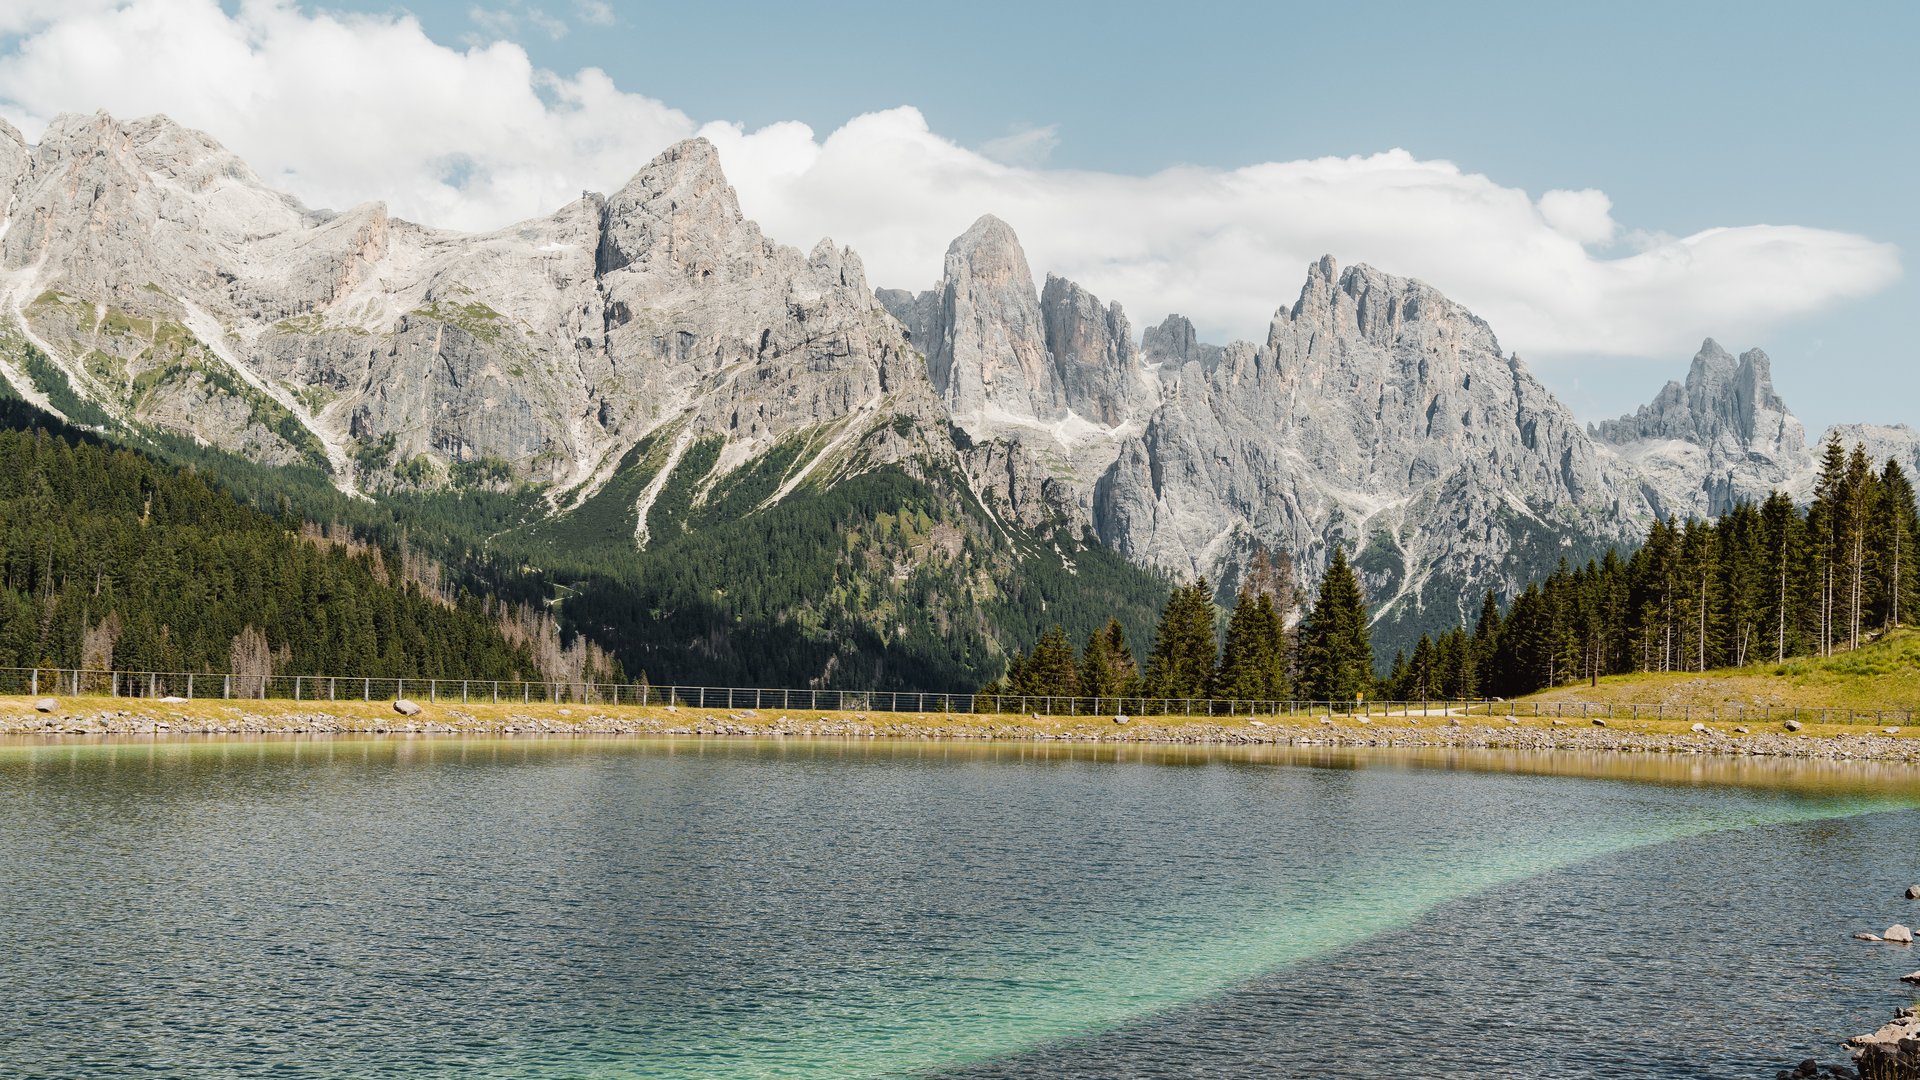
x=800, y=909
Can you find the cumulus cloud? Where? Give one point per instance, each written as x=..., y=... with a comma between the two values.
x=341, y=109
x=1023, y=146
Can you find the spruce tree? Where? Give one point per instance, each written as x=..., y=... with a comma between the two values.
x=1783, y=550
x=1253, y=666
x=1106, y=664
x=1895, y=544
x=1050, y=670
x=1336, y=654
x=1181, y=664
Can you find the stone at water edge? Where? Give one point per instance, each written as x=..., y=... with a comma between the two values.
x=1863, y=936
x=406, y=707
x=1913, y=893
x=1913, y=978
x=1898, y=934
x=45, y=704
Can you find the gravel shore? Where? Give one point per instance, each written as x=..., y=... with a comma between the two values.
x=96, y=718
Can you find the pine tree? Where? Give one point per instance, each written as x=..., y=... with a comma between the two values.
x=1336, y=654
x=1050, y=670
x=1895, y=543
x=1181, y=663
x=1253, y=666
x=1783, y=548
x=1421, y=682
x=1106, y=664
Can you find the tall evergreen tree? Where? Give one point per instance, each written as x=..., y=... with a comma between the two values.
x=1253, y=666
x=1898, y=528
x=1050, y=670
x=1181, y=663
x=1336, y=653
x=1106, y=664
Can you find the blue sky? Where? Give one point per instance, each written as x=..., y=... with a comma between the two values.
x=1687, y=116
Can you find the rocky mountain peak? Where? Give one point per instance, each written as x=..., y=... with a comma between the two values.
x=1375, y=306
x=1721, y=437
x=983, y=334
x=1174, y=342
x=679, y=212
x=1093, y=353
x=1724, y=399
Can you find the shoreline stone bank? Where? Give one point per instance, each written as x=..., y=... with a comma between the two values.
x=97, y=717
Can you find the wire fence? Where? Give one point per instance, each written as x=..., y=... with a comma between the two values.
x=191, y=686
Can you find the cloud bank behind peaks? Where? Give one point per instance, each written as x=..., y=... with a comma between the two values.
x=341, y=109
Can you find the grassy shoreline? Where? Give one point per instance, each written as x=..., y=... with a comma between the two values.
x=103, y=716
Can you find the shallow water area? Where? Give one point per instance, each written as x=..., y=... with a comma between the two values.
x=458, y=906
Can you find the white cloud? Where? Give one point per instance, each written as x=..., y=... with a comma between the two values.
x=506, y=21
x=341, y=109
x=594, y=12
x=1030, y=146
x=1585, y=217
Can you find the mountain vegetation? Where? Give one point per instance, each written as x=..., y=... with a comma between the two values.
x=112, y=559
x=1763, y=583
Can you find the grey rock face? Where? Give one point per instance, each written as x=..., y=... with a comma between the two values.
x=1174, y=343
x=1897, y=442
x=982, y=332
x=1093, y=354
x=1379, y=415
x=1722, y=437
x=179, y=292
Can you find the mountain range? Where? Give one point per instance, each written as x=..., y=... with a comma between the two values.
x=643, y=389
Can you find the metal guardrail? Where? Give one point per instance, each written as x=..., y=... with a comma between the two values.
x=151, y=685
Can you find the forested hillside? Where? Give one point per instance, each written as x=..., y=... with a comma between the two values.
x=111, y=558
x=1759, y=584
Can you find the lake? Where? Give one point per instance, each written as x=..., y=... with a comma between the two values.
x=463, y=907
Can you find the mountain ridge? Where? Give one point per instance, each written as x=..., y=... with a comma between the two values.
x=654, y=344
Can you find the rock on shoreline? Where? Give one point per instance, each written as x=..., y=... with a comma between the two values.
x=446, y=719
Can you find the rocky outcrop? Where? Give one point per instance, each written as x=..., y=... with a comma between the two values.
x=1883, y=442
x=983, y=335
x=1378, y=415
x=1722, y=437
x=1174, y=343
x=1098, y=365
x=180, y=293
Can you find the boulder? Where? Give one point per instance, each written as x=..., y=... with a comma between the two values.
x=1598, y=722
x=1867, y=937
x=172, y=700
x=1913, y=978
x=1891, y=730
x=1698, y=729
x=45, y=704
x=1898, y=934
x=1125, y=720
x=1913, y=892
x=1794, y=725
x=1891, y=1053
x=406, y=707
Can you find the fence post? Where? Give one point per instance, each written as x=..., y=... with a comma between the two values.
x=296, y=688
x=189, y=686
